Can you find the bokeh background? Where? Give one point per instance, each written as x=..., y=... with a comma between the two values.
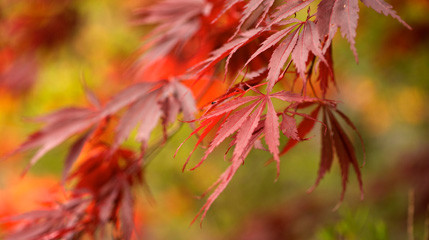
x=46, y=53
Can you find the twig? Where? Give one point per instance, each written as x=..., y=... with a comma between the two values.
x=410, y=221
x=426, y=230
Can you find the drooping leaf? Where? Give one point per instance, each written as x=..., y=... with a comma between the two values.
x=346, y=154
x=334, y=14
x=327, y=155
x=350, y=123
x=59, y=127
x=382, y=7
x=178, y=22
x=220, y=185
x=152, y=113
x=271, y=130
x=326, y=73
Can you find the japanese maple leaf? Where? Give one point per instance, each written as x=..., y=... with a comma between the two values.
x=59, y=126
x=177, y=22
x=108, y=175
x=343, y=14
x=325, y=72
x=382, y=7
x=284, y=11
x=305, y=126
x=334, y=14
x=226, y=51
x=244, y=116
x=288, y=9
x=62, y=221
x=65, y=123
x=334, y=142
x=161, y=101
x=296, y=41
x=164, y=102
x=254, y=12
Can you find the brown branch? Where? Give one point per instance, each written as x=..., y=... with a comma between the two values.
x=410, y=220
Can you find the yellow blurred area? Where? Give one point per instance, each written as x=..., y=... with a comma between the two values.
x=362, y=96
x=380, y=112
x=410, y=102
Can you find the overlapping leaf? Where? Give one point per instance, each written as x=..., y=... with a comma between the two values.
x=334, y=14
x=343, y=14
x=63, y=221
x=177, y=22
x=243, y=116
x=165, y=103
x=227, y=50
x=335, y=141
x=101, y=195
x=59, y=126
x=295, y=42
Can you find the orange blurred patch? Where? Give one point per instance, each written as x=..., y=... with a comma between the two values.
x=20, y=195
x=205, y=90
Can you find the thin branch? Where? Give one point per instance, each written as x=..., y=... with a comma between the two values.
x=410, y=220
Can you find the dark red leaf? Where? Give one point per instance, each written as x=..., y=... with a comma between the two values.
x=345, y=153
x=326, y=73
x=327, y=155
x=350, y=123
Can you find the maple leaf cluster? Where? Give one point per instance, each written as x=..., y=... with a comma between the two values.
x=244, y=72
